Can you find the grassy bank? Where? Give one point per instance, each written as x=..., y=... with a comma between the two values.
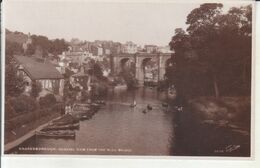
x=217, y=127
x=25, y=125
x=24, y=113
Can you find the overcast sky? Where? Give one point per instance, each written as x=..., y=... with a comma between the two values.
x=142, y=23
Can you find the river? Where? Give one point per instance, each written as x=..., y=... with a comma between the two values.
x=117, y=129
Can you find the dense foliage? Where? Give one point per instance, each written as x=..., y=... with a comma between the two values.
x=42, y=46
x=14, y=85
x=17, y=106
x=47, y=101
x=213, y=56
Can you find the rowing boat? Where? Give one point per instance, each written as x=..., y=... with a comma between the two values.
x=56, y=134
x=62, y=127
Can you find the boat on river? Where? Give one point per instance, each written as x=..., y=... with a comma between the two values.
x=61, y=127
x=84, y=111
x=84, y=115
x=56, y=134
x=77, y=107
x=85, y=107
x=100, y=102
x=64, y=120
x=134, y=104
x=124, y=86
x=172, y=93
x=149, y=107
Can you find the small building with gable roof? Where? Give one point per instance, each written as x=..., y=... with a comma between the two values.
x=42, y=72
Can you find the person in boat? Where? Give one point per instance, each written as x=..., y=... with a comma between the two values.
x=149, y=107
x=134, y=104
x=69, y=110
x=179, y=108
x=165, y=104
x=66, y=109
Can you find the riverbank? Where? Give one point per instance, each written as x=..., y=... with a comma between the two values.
x=20, y=134
x=215, y=127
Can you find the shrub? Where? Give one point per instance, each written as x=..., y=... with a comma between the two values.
x=23, y=104
x=58, y=108
x=9, y=110
x=47, y=101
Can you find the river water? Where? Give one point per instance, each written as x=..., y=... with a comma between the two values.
x=117, y=129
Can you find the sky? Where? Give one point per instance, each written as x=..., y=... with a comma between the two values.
x=143, y=23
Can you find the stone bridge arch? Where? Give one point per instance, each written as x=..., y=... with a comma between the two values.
x=119, y=61
x=140, y=59
x=127, y=64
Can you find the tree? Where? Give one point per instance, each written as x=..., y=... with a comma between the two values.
x=97, y=71
x=203, y=29
x=41, y=42
x=14, y=84
x=30, y=50
x=47, y=101
x=215, y=51
x=12, y=48
x=57, y=46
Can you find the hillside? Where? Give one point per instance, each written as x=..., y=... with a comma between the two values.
x=17, y=37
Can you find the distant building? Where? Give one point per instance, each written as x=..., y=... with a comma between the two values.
x=27, y=42
x=140, y=49
x=96, y=50
x=129, y=48
x=116, y=48
x=75, y=55
x=107, y=51
x=150, y=48
x=42, y=72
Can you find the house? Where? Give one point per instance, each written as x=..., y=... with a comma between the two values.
x=42, y=72
x=96, y=50
x=73, y=56
x=107, y=51
x=151, y=48
x=129, y=47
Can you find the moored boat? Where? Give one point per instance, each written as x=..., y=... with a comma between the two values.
x=56, y=134
x=85, y=107
x=64, y=120
x=101, y=102
x=77, y=107
x=84, y=116
x=62, y=127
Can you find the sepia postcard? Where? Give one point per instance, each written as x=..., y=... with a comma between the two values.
x=122, y=78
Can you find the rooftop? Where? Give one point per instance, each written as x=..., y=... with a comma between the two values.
x=37, y=69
